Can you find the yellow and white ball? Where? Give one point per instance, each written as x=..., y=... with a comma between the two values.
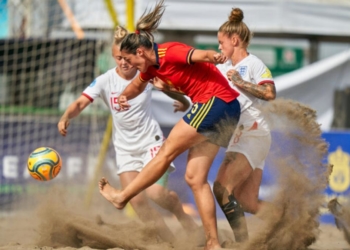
x=44, y=164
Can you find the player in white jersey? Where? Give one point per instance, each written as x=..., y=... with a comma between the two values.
x=137, y=138
x=236, y=187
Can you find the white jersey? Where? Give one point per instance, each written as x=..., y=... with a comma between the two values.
x=134, y=130
x=252, y=70
x=252, y=135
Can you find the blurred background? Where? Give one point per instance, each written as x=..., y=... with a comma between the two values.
x=51, y=50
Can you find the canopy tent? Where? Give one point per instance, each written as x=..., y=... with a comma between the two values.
x=308, y=17
x=318, y=17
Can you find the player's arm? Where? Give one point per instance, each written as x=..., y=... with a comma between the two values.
x=134, y=88
x=211, y=56
x=265, y=91
x=72, y=111
x=180, y=103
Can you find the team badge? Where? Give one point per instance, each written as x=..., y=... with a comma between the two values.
x=242, y=70
x=93, y=83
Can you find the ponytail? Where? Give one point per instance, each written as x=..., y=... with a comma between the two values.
x=145, y=26
x=119, y=34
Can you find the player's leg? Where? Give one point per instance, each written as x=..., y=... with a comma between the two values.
x=233, y=172
x=145, y=211
x=248, y=196
x=181, y=138
x=200, y=159
x=248, y=192
x=169, y=200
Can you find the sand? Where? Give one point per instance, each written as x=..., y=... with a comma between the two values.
x=24, y=231
x=60, y=221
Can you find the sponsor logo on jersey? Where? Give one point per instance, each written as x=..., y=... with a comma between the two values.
x=242, y=70
x=267, y=74
x=93, y=83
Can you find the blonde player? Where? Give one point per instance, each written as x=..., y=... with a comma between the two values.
x=236, y=187
x=137, y=138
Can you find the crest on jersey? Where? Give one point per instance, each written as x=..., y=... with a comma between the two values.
x=242, y=70
x=93, y=83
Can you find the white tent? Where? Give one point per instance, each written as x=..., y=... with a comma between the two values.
x=310, y=17
x=319, y=17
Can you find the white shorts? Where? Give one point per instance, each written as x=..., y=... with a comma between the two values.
x=136, y=161
x=251, y=138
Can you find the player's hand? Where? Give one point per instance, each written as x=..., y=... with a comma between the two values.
x=179, y=106
x=234, y=77
x=123, y=102
x=62, y=126
x=219, y=58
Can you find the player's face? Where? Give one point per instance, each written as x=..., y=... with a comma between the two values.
x=225, y=44
x=119, y=60
x=138, y=60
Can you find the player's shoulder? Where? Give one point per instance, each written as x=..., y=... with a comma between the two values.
x=254, y=60
x=102, y=79
x=105, y=76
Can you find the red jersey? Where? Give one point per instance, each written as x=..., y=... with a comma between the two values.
x=199, y=81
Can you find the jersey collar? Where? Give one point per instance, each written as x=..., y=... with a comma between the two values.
x=155, y=48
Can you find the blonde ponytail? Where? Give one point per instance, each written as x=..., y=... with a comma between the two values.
x=119, y=34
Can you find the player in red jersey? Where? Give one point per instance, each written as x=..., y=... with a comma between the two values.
x=191, y=72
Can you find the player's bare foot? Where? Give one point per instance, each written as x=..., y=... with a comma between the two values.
x=111, y=194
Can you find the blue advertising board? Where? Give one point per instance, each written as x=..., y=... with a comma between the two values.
x=339, y=181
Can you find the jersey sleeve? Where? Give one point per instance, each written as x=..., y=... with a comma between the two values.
x=94, y=90
x=261, y=73
x=180, y=53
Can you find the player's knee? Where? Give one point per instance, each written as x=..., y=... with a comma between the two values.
x=189, y=178
x=195, y=182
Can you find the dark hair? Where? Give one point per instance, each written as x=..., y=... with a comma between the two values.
x=148, y=22
x=235, y=25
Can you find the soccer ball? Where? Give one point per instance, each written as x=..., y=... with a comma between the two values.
x=44, y=164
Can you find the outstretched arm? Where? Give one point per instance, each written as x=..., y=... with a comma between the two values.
x=72, y=111
x=211, y=56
